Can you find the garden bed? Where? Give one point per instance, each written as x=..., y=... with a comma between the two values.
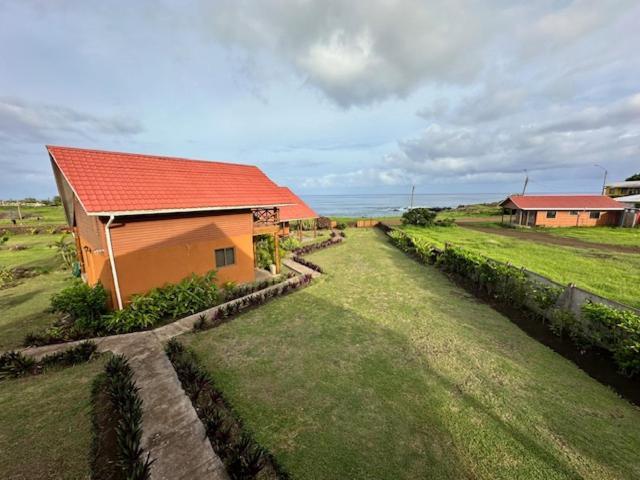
x=242, y=456
x=116, y=453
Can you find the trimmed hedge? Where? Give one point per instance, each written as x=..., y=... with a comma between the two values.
x=242, y=455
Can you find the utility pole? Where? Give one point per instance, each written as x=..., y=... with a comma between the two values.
x=413, y=188
x=604, y=180
x=526, y=182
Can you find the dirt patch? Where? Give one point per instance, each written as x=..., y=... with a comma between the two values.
x=542, y=237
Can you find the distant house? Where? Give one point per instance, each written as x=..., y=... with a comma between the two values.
x=621, y=189
x=296, y=211
x=632, y=212
x=141, y=221
x=563, y=210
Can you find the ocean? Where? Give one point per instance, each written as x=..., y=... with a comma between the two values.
x=391, y=204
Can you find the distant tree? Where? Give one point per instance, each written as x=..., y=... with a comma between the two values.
x=633, y=178
x=419, y=216
x=56, y=201
x=29, y=200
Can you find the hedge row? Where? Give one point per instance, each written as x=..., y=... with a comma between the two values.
x=231, y=309
x=241, y=454
x=15, y=364
x=599, y=326
x=117, y=422
x=307, y=263
x=312, y=247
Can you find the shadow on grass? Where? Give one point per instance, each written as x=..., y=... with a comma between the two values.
x=368, y=393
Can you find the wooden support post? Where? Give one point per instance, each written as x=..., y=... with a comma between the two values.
x=277, y=251
x=255, y=256
x=300, y=230
x=315, y=227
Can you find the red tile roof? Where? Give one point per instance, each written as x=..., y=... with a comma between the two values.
x=298, y=210
x=563, y=202
x=112, y=182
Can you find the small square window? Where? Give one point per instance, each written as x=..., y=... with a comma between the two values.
x=225, y=257
x=551, y=214
x=573, y=212
x=595, y=214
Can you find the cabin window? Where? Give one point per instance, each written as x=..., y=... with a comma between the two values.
x=225, y=257
x=551, y=214
x=573, y=212
x=595, y=214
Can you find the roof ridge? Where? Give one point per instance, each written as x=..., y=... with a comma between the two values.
x=149, y=155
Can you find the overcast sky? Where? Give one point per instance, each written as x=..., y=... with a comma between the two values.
x=329, y=96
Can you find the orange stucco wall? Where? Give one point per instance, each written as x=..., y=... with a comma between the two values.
x=582, y=219
x=92, y=250
x=152, y=252
x=564, y=218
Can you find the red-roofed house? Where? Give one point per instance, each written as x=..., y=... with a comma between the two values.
x=141, y=221
x=297, y=211
x=563, y=210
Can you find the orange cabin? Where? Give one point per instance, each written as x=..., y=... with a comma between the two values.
x=142, y=221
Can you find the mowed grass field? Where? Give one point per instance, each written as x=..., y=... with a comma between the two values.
x=612, y=275
x=38, y=252
x=45, y=424
x=384, y=369
x=24, y=305
x=32, y=216
x=610, y=235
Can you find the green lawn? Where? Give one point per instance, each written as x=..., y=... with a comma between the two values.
x=32, y=215
x=612, y=275
x=39, y=252
x=385, y=369
x=45, y=426
x=23, y=308
x=610, y=235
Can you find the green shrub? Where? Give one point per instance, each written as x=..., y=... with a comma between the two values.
x=191, y=295
x=562, y=321
x=84, y=304
x=265, y=251
x=617, y=330
x=341, y=225
x=290, y=243
x=419, y=216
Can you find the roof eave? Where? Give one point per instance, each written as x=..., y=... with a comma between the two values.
x=122, y=213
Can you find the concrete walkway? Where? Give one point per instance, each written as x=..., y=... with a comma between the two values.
x=172, y=433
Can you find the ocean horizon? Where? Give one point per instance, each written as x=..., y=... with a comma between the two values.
x=376, y=205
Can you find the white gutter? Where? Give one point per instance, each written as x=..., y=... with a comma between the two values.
x=112, y=261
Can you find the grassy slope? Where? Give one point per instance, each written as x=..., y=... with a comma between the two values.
x=23, y=308
x=610, y=235
x=47, y=215
x=384, y=369
x=38, y=253
x=608, y=274
x=45, y=428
